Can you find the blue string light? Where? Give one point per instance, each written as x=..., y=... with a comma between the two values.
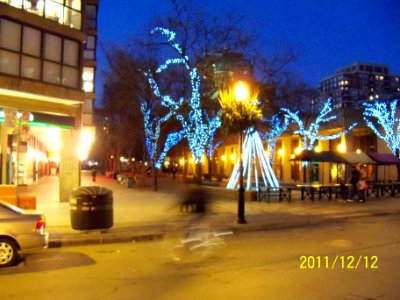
x=198, y=132
x=311, y=135
x=387, y=129
x=278, y=127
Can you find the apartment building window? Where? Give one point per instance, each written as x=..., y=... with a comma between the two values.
x=89, y=52
x=88, y=79
x=37, y=55
x=10, y=33
x=90, y=17
x=66, y=12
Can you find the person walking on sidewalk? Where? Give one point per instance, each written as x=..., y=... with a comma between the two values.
x=355, y=178
x=362, y=187
x=94, y=173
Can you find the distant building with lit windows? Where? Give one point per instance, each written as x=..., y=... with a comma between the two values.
x=47, y=92
x=358, y=82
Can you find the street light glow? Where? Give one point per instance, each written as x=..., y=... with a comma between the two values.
x=241, y=91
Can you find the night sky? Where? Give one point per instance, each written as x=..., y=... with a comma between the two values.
x=327, y=34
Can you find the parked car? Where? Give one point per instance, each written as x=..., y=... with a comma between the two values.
x=21, y=232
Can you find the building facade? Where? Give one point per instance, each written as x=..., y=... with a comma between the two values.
x=358, y=82
x=47, y=67
x=348, y=88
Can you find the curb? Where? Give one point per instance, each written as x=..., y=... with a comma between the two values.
x=129, y=236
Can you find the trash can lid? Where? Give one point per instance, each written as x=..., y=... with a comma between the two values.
x=91, y=191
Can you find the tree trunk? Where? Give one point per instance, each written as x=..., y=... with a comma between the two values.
x=155, y=179
x=209, y=160
x=398, y=166
x=198, y=174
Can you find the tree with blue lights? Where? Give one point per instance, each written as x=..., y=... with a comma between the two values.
x=311, y=135
x=196, y=128
x=211, y=144
x=383, y=119
x=277, y=125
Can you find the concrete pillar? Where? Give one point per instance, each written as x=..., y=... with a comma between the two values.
x=69, y=171
x=3, y=145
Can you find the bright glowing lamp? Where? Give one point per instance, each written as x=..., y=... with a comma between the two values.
x=241, y=91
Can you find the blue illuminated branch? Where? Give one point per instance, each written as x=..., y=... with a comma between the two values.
x=212, y=125
x=311, y=135
x=387, y=127
x=172, y=139
x=197, y=131
x=278, y=127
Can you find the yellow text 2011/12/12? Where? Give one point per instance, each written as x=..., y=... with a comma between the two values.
x=348, y=262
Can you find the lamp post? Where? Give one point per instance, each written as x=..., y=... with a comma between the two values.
x=241, y=94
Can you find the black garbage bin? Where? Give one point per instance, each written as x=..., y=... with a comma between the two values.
x=91, y=207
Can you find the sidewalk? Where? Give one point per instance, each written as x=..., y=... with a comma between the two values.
x=143, y=214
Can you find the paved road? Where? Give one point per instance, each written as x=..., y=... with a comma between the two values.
x=258, y=265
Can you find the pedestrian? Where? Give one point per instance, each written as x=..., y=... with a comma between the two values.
x=174, y=171
x=196, y=201
x=148, y=171
x=344, y=193
x=355, y=178
x=362, y=187
x=94, y=173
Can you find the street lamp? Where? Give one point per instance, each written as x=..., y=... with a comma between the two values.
x=241, y=92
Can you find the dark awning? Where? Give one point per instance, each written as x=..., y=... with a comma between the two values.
x=384, y=158
x=323, y=156
x=357, y=158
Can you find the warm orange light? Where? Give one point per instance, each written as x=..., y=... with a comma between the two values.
x=241, y=91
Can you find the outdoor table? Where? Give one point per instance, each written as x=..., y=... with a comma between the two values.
x=383, y=188
x=323, y=190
